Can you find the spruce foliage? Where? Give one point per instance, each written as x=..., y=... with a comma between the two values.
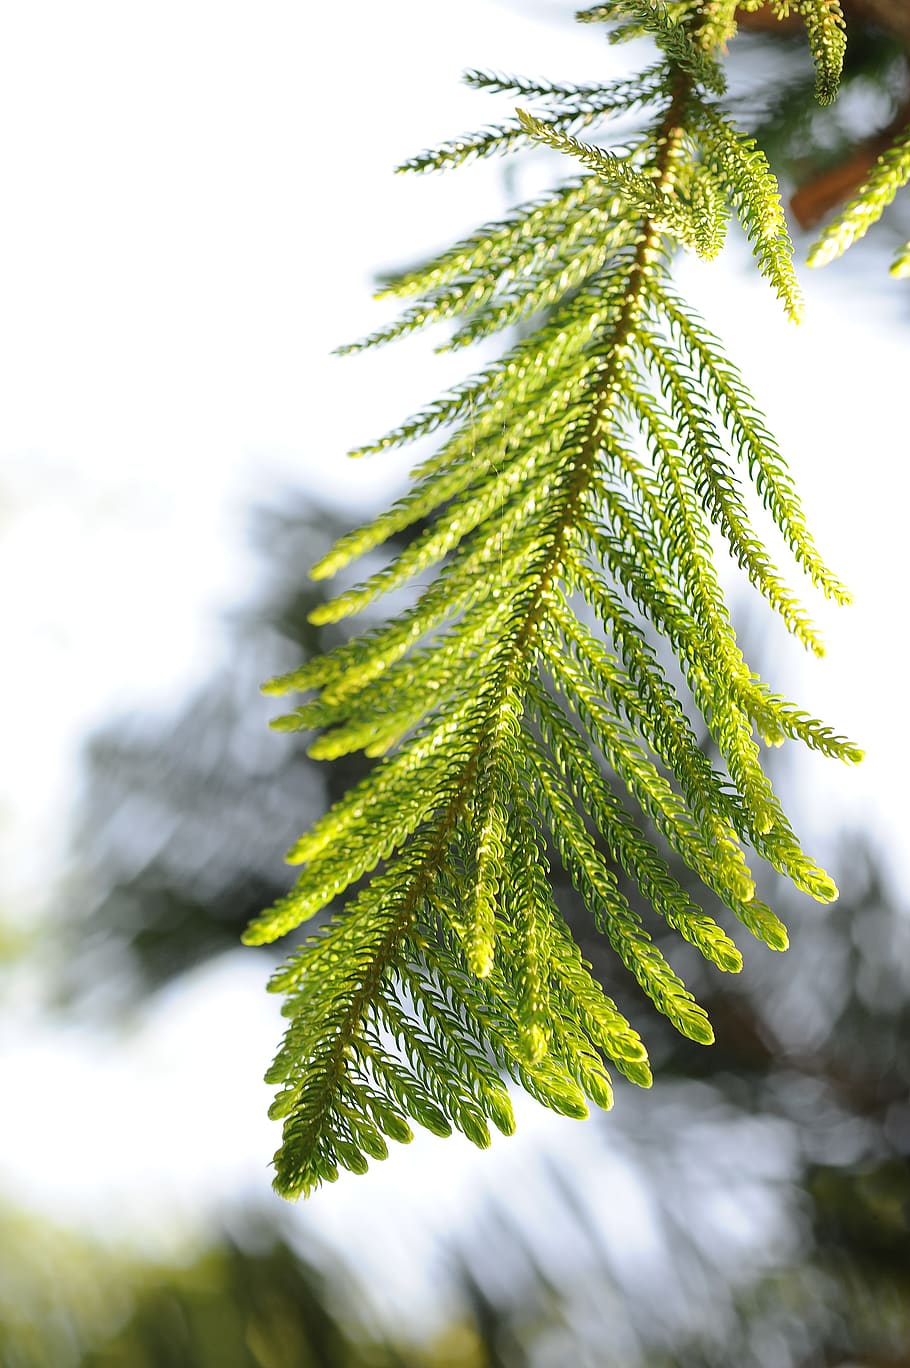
x=567, y=516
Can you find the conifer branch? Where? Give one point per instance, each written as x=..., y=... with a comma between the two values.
x=566, y=518
x=889, y=174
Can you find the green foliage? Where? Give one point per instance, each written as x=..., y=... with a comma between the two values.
x=570, y=512
x=824, y=20
x=889, y=174
x=825, y=28
x=665, y=23
x=900, y=266
x=741, y=171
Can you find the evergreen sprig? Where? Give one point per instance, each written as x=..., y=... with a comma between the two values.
x=889, y=174
x=825, y=29
x=566, y=519
x=824, y=20
x=572, y=107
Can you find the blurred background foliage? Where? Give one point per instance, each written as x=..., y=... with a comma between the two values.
x=796, y=1123
x=823, y=155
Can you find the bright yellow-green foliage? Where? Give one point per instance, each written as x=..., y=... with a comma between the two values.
x=564, y=524
x=889, y=174
x=825, y=27
x=900, y=266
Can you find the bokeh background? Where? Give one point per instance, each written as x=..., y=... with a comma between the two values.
x=198, y=199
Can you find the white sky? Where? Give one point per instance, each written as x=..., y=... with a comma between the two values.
x=196, y=198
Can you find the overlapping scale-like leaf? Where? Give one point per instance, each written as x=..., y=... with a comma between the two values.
x=824, y=20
